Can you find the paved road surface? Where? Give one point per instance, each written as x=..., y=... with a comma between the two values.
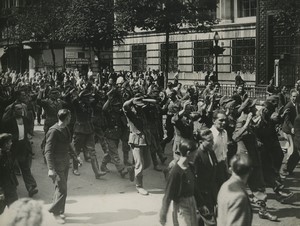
x=113, y=201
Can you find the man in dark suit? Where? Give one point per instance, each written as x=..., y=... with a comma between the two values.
x=57, y=150
x=234, y=208
x=205, y=165
x=288, y=126
x=18, y=126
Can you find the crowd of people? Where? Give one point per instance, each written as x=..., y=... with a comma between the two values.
x=220, y=142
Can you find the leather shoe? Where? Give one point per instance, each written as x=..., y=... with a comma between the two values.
x=100, y=174
x=32, y=192
x=267, y=215
x=142, y=191
x=76, y=173
x=62, y=216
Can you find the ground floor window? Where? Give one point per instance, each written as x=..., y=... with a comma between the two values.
x=173, y=57
x=203, y=59
x=243, y=55
x=139, y=58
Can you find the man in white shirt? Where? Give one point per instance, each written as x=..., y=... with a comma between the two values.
x=17, y=125
x=220, y=145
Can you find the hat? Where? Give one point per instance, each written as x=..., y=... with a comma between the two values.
x=248, y=103
x=224, y=100
x=232, y=104
x=4, y=137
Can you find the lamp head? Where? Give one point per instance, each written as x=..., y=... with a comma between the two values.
x=216, y=38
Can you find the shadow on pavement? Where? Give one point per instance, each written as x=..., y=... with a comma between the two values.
x=106, y=217
x=287, y=212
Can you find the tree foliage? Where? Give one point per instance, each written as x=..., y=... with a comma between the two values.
x=287, y=16
x=163, y=15
x=41, y=20
x=91, y=23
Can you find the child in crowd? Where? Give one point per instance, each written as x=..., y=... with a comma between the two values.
x=181, y=188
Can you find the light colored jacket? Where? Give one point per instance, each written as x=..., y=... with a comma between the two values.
x=234, y=208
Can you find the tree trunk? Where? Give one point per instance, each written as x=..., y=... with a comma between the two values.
x=167, y=57
x=53, y=56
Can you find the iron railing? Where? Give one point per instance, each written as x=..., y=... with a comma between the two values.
x=255, y=92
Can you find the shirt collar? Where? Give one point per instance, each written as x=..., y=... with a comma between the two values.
x=215, y=131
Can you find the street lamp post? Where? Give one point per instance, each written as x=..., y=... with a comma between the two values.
x=217, y=50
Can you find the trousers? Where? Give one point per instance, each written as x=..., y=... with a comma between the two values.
x=60, y=193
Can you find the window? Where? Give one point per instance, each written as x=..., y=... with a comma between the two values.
x=247, y=8
x=203, y=59
x=243, y=55
x=173, y=57
x=139, y=58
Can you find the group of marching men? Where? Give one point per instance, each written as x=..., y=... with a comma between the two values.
x=130, y=110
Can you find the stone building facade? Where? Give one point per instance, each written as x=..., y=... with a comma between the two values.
x=247, y=33
x=278, y=52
